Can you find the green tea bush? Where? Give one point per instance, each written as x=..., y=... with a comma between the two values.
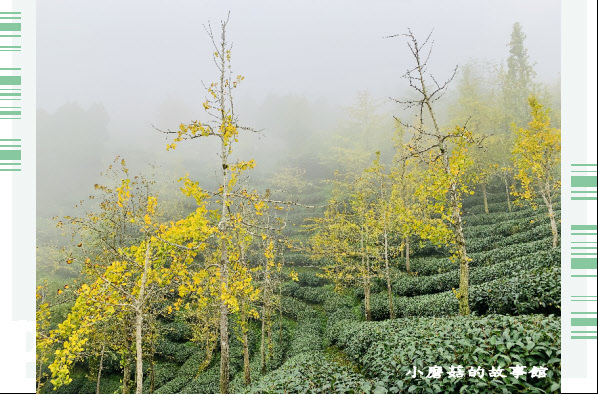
x=534, y=291
x=312, y=373
x=308, y=335
x=498, y=241
x=497, y=217
x=435, y=265
x=291, y=307
x=509, y=227
x=82, y=384
x=313, y=295
x=164, y=372
x=376, y=286
x=388, y=350
x=410, y=285
x=336, y=321
x=335, y=301
x=311, y=279
x=379, y=306
x=185, y=374
x=478, y=199
x=500, y=207
x=208, y=382
x=175, y=351
x=177, y=331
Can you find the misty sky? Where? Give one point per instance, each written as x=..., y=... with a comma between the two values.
x=132, y=55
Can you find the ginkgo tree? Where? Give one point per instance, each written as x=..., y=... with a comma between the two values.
x=348, y=235
x=386, y=217
x=537, y=160
x=138, y=277
x=222, y=124
x=447, y=164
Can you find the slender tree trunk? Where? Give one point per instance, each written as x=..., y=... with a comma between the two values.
x=485, y=194
x=263, y=340
x=280, y=323
x=388, y=284
x=224, y=345
x=463, y=295
x=553, y=226
x=139, y=322
x=407, y=252
x=508, y=194
x=210, y=345
x=223, y=226
x=366, y=281
x=269, y=329
x=152, y=375
x=366, y=292
x=246, y=369
x=139, y=350
x=100, y=371
x=402, y=246
x=126, y=375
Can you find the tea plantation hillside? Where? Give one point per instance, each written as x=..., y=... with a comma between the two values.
x=320, y=342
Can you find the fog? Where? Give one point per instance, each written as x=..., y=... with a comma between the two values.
x=109, y=71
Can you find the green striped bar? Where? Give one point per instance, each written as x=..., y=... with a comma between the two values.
x=11, y=94
x=584, y=227
x=583, y=264
x=584, y=337
x=584, y=321
x=584, y=165
x=584, y=181
x=10, y=113
x=10, y=154
x=10, y=27
x=10, y=80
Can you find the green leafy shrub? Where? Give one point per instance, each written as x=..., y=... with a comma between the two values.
x=311, y=279
x=497, y=217
x=388, y=350
x=508, y=227
x=314, y=295
x=185, y=374
x=335, y=301
x=478, y=199
x=164, y=372
x=534, y=291
x=308, y=335
x=432, y=266
x=498, y=241
x=500, y=207
x=410, y=285
x=336, y=321
x=312, y=373
x=177, y=331
x=376, y=286
x=174, y=351
x=291, y=307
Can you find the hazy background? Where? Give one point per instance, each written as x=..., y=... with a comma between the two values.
x=109, y=70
